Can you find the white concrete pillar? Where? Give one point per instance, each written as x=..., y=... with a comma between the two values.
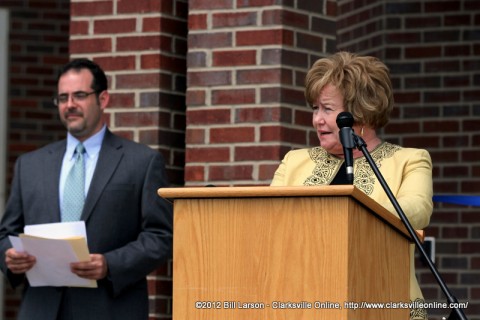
x=4, y=53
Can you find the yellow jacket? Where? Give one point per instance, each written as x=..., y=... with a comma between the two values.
x=407, y=171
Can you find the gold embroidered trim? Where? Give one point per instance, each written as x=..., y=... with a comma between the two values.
x=418, y=313
x=327, y=166
x=364, y=178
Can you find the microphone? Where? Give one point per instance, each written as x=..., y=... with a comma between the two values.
x=345, y=123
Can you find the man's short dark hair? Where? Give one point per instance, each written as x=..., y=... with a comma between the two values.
x=99, y=82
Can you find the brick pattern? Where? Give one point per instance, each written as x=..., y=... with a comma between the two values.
x=245, y=103
x=142, y=47
x=245, y=61
x=38, y=44
x=431, y=48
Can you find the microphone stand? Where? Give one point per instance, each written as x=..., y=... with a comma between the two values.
x=457, y=313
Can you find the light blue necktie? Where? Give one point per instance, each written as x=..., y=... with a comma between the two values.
x=74, y=191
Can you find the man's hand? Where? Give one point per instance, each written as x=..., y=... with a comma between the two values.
x=19, y=262
x=95, y=269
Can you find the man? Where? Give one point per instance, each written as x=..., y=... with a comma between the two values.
x=129, y=227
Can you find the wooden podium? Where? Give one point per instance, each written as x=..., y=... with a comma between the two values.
x=266, y=253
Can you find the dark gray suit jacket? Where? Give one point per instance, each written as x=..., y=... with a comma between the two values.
x=125, y=219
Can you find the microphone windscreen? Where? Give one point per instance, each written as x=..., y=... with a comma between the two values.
x=345, y=119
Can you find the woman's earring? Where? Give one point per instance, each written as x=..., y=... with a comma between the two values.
x=361, y=132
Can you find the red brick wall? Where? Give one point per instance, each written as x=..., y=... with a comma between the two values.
x=38, y=45
x=142, y=47
x=432, y=49
x=245, y=61
x=245, y=103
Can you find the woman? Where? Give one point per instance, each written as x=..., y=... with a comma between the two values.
x=361, y=86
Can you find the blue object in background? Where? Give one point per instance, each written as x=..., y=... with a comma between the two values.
x=458, y=199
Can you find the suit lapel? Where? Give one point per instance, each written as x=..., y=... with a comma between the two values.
x=51, y=167
x=110, y=155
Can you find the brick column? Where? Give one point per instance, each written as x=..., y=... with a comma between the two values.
x=142, y=47
x=245, y=105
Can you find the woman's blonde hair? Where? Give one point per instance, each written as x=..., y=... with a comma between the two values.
x=364, y=83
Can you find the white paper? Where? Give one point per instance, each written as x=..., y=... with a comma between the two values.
x=60, y=230
x=53, y=263
x=53, y=253
x=16, y=243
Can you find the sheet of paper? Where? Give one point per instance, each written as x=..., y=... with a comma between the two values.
x=16, y=243
x=53, y=262
x=55, y=246
x=60, y=230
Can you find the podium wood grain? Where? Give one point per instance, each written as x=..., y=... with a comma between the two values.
x=234, y=246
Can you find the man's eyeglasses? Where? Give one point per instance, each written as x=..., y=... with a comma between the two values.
x=76, y=96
